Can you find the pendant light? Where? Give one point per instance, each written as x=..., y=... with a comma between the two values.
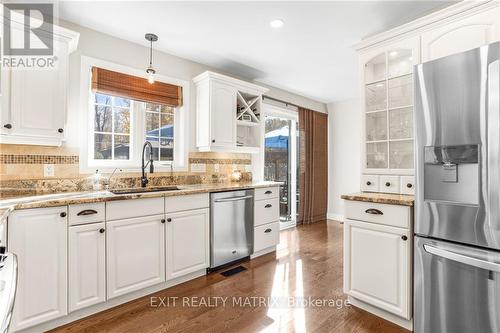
x=150, y=70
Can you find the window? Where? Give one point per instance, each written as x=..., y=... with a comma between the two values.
x=160, y=130
x=123, y=112
x=112, y=119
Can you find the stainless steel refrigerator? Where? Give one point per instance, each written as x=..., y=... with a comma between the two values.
x=457, y=207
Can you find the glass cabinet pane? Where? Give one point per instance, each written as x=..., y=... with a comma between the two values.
x=401, y=154
x=401, y=91
x=376, y=155
x=401, y=123
x=376, y=126
x=375, y=69
x=376, y=96
x=400, y=62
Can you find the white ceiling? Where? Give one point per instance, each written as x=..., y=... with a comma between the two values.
x=310, y=55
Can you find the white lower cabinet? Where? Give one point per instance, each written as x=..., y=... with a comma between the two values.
x=135, y=253
x=266, y=236
x=39, y=239
x=377, y=266
x=87, y=265
x=187, y=242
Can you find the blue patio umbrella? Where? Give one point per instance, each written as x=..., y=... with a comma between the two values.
x=166, y=131
x=277, y=138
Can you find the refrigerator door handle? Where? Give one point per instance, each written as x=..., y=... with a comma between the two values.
x=494, y=143
x=487, y=265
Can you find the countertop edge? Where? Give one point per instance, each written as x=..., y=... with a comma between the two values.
x=382, y=198
x=74, y=199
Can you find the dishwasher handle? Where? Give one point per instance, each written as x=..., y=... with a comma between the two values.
x=234, y=198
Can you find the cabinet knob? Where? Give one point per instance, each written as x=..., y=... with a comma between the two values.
x=169, y=220
x=368, y=183
x=60, y=130
x=102, y=230
x=63, y=214
x=8, y=126
x=387, y=184
x=409, y=185
x=162, y=221
x=404, y=237
x=213, y=141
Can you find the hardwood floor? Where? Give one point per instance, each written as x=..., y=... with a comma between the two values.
x=308, y=263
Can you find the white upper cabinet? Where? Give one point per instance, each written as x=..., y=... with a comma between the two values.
x=388, y=94
x=38, y=237
x=34, y=101
x=461, y=35
x=227, y=114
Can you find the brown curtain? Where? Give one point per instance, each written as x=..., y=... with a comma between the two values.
x=313, y=159
x=134, y=87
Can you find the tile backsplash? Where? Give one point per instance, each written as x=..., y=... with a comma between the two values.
x=22, y=168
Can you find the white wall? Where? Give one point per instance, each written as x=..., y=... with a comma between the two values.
x=344, y=153
x=105, y=47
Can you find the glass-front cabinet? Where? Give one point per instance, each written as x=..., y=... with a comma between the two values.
x=388, y=108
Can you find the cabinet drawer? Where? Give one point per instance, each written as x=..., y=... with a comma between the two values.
x=394, y=215
x=389, y=184
x=369, y=183
x=186, y=202
x=267, y=192
x=123, y=209
x=266, y=211
x=265, y=236
x=407, y=185
x=86, y=213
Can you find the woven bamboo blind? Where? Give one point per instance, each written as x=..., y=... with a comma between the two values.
x=137, y=88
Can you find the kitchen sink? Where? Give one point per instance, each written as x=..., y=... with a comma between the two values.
x=144, y=189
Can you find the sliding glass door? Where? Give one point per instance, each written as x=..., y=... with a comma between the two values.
x=280, y=160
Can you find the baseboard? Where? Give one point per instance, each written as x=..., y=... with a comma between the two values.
x=408, y=324
x=262, y=252
x=336, y=217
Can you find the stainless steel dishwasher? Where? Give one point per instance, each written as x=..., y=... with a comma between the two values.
x=231, y=227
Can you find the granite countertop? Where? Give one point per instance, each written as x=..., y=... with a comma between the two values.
x=62, y=199
x=383, y=198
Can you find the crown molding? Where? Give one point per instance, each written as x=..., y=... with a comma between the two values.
x=456, y=11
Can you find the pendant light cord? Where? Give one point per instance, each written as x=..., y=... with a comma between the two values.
x=151, y=53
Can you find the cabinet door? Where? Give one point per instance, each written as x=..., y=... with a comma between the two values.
x=39, y=239
x=187, y=242
x=377, y=266
x=87, y=270
x=5, y=122
x=462, y=35
x=135, y=254
x=223, y=115
x=38, y=99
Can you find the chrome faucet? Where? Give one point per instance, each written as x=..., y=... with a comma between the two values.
x=144, y=179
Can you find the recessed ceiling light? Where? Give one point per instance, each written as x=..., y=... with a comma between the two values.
x=277, y=23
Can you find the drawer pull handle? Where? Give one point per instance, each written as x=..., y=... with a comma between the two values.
x=268, y=206
x=268, y=192
x=87, y=212
x=268, y=230
x=8, y=126
x=374, y=211
x=102, y=230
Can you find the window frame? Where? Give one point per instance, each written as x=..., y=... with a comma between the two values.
x=138, y=125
